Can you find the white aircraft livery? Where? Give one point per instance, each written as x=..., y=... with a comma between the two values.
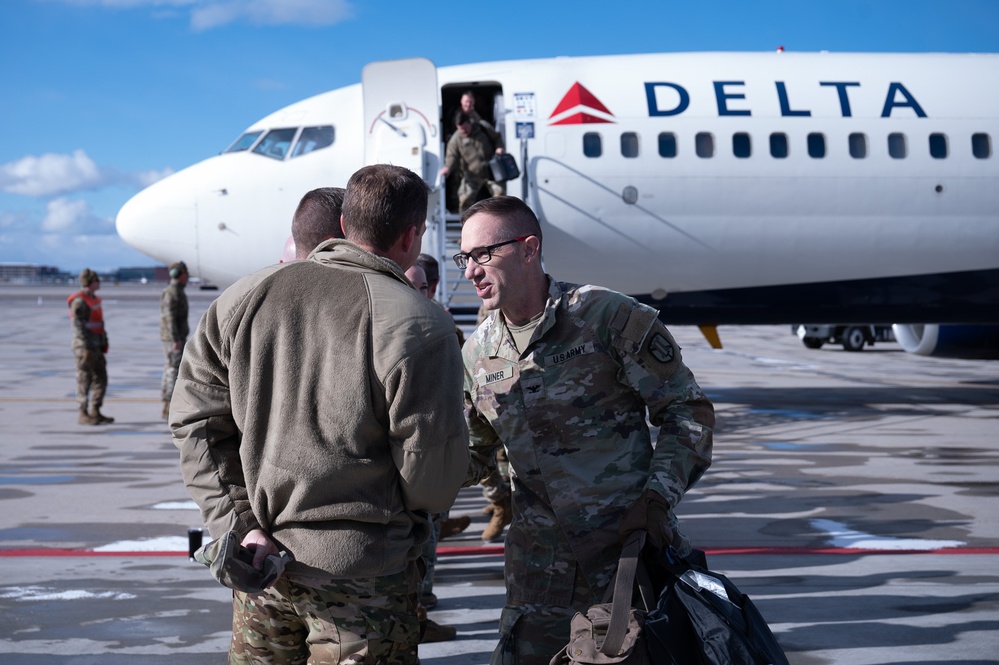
x=720, y=188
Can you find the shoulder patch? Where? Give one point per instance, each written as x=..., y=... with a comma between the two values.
x=661, y=348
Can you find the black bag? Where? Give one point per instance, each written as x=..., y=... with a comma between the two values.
x=504, y=167
x=703, y=619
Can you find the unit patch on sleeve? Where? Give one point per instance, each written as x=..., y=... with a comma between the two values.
x=579, y=350
x=661, y=349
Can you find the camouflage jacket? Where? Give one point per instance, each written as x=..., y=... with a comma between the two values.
x=571, y=413
x=173, y=313
x=470, y=154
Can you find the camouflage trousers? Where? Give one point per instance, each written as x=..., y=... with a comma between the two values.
x=531, y=634
x=429, y=553
x=468, y=190
x=496, y=488
x=366, y=620
x=91, y=378
x=171, y=366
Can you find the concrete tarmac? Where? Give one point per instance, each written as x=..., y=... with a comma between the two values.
x=853, y=496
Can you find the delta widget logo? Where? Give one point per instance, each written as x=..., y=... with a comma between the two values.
x=579, y=106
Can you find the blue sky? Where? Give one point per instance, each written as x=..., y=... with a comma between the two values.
x=102, y=97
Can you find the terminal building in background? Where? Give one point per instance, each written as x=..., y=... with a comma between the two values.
x=27, y=273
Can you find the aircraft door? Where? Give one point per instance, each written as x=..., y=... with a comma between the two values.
x=401, y=115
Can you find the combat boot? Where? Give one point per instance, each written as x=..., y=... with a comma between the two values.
x=85, y=418
x=502, y=515
x=99, y=418
x=452, y=526
x=166, y=410
x=431, y=631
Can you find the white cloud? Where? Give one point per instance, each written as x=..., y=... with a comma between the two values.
x=51, y=174
x=63, y=215
x=270, y=12
x=208, y=14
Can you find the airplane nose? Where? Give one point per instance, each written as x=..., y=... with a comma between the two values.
x=161, y=222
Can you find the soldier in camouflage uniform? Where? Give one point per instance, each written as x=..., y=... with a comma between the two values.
x=90, y=344
x=469, y=150
x=173, y=329
x=562, y=376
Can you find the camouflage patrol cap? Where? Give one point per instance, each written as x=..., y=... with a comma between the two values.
x=88, y=277
x=232, y=564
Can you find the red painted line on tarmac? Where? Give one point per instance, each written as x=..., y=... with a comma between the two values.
x=484, y=550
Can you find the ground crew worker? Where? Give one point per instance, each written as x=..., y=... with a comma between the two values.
x=90, y=344
x=562, y=376
x=173, y=329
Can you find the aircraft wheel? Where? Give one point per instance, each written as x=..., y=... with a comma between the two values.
x=854, y=339
x=812, y=343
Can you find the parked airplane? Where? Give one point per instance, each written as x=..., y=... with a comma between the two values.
x=722, y=188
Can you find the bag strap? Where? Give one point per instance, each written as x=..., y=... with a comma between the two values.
x=624, y=583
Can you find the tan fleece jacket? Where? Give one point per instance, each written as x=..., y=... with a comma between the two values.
x=321, y=401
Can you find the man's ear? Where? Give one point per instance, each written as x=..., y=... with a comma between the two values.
x=532, y=248
x=406, y=239
x=342, y=229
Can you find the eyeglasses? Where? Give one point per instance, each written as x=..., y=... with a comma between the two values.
x=481, y=255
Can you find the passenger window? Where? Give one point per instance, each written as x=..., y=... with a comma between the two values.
x=896, y=145
x=244, y=142
x=981, y=146
x=275, y=143
x=858, y=146
x=704, y=144
x=741, y=146
x=312, y=139
x=938, y=146
x=817, y=145
x=778, y=145
x=592, y=146
x=667, y=144
x=629, y=144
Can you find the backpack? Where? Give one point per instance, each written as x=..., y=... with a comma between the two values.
x=703, y=619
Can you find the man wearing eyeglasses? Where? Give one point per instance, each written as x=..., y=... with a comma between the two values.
x=562, y=376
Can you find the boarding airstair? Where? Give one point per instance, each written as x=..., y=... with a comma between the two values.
x=454, y=292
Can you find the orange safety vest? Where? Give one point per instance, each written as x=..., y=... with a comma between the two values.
x=96, y=322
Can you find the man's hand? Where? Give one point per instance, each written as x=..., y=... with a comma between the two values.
x=261, y=545
x=651, y=513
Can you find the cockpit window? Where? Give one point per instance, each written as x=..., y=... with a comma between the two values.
x=313, y=138
x=276, y=143
x=244, y=142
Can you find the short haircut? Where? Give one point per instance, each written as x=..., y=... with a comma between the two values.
x=516, y=218
x=381, y=203
x=430, y=266
x=317, y=218
x=460, y=118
